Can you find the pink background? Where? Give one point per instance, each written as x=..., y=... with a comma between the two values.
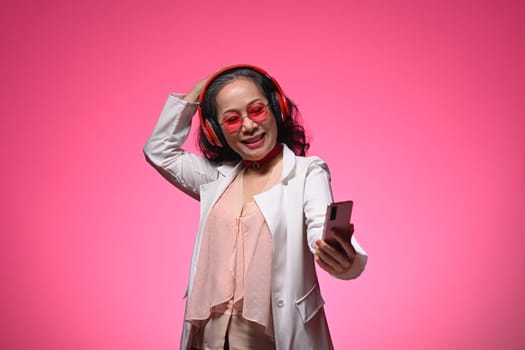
x=417, y=106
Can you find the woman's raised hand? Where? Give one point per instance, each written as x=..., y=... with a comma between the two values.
x=195, y=92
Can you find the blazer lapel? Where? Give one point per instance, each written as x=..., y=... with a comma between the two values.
x=272, y=202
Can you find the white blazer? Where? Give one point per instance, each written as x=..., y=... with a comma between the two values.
x=293, y=209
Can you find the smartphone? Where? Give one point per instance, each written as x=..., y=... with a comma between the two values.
x=338, y=217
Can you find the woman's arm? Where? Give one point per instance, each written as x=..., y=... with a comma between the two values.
x=345, y=264
x=163, y=150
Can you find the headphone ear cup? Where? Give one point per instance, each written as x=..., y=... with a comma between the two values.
x=281, y=106
x=208, y=130
x=210, y=134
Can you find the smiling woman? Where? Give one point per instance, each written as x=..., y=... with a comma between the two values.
x=253, y=283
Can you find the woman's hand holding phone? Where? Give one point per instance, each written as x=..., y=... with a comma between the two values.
x=336, y=261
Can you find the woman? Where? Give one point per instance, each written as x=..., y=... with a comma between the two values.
x=253, y=283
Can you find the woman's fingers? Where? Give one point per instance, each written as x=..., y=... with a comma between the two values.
x=345, y=243
x=330, y=259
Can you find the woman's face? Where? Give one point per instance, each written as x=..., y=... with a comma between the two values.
x=255, y=134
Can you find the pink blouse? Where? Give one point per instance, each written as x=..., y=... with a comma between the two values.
x=235, y=262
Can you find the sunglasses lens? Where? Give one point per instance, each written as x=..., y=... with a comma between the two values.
x=232, y=122
x=257, y=112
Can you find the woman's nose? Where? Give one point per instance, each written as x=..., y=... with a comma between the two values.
x=248, y=124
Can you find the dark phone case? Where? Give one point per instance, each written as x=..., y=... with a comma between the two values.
x=338, y=216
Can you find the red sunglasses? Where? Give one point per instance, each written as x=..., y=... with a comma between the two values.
x=257, y=112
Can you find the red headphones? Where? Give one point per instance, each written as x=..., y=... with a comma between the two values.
x=211, y=130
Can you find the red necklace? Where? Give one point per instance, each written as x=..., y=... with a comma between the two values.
x=256, y=164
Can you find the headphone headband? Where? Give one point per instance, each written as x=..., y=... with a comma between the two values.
x=208, y=129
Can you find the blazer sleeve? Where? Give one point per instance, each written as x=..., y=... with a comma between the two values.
x=317, y=195
x=163, y=149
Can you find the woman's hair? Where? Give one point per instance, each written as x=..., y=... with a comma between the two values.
x=289, y=132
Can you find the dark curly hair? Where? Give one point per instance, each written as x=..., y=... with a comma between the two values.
x=289, y=132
